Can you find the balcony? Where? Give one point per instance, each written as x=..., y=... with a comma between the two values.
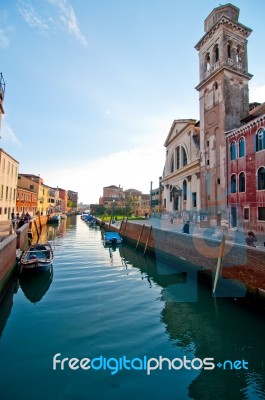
x=2, y=87
x=216, y=66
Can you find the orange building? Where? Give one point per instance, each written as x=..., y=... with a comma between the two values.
x=27, y=201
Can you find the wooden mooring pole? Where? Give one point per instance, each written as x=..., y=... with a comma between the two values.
x=219, y=261
x=148, y=238
x=142, y=229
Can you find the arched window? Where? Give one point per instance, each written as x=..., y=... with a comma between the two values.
x=184, y=190
x=233, y=183
x=242, y=182
x=260, y=140
x=241, y=147
x=261, y=178
x=207, y=62
x=233, y=151
x=184, y=157
x=177, y=158
x=216, y=53
x=172, y=164
x=229, y=50
x=238, y=56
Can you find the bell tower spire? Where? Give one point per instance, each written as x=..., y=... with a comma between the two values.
x=224, y=99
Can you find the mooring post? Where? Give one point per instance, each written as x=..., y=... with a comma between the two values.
x=120, y=226
x=125, y=226
x=140, y=236
x=219, y=261
x=148, y=238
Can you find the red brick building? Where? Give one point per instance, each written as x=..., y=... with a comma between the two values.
x=246, y=172
x=111, y=193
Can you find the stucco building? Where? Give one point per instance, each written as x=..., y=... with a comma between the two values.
x=8, y=185
x=27, y=201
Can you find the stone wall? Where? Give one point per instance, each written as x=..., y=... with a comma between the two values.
x=7, y=260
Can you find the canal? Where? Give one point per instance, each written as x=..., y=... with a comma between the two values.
x=113, y=315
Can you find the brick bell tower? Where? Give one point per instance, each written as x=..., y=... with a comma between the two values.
x=224, y=101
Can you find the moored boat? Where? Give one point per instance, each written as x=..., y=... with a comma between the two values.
x=112, y=238
x=37, y=258
x=55, y=219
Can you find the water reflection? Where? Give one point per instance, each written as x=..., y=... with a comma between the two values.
x=7, y=304
x=34, y=286
x=209, y=327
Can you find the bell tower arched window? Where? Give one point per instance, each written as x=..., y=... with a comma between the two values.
x=229, y=50
x=216, y=53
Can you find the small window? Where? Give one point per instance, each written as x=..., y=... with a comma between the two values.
x=246, y=214
x=261, y=213
x=233, y=151
x=218, y=181
x=241, y=150
x=242, y=182
x=233, y=184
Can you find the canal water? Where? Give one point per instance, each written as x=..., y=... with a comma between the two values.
x=114, y=307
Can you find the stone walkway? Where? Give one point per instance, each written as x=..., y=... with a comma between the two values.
x=211, y=233
x=4, y=229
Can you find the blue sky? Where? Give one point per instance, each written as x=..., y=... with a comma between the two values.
x=92, y=87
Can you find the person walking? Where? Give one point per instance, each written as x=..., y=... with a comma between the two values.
x=186, y=227
x=250, y=239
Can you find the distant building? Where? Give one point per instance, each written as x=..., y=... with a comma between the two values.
x=8, y=185
x=63, y=196
x=27, y=201
x=111, y=193
x=72, y=200
x=35, y=183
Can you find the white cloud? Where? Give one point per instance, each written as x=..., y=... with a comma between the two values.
x=7, y=133
x=128, y=168
x=44, y=21
x=4, y=41
x=33, y=19
x=69, y=19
